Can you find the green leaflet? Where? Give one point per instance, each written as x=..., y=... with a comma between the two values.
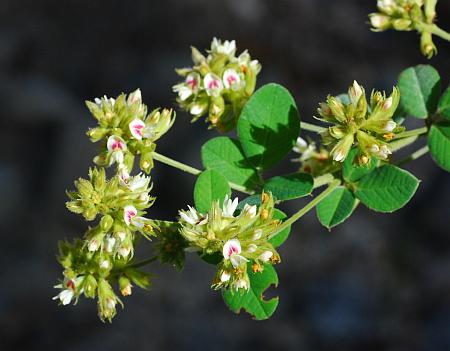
x=226, y=156
x=210, y=186
x=289, y=186
x=420, y=89
x=268, y=126
x=336, y=207
x=439, y=144
x=253, y=300
x=386, y=189
x=444, y=104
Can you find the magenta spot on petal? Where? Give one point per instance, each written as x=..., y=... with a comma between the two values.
x=71, y=284
x=192, y=82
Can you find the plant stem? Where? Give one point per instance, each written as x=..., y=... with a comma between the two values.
x=401, y=143
x=414, y=156
x=300, y=213
x=322, y=180
x=412, y=132
x=194, y=171
x=141, y=263
x=434, y=29
x=312, y=127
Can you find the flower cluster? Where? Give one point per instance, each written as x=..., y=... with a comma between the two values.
x=369, y=127
x=127, y=130
x=218, y=84
x=313, y=159
x=407, y=15
x=241, y=239
x=90, y=273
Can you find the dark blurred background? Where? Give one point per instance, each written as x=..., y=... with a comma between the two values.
x=377, y=282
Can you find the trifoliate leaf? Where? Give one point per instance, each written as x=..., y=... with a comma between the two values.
x=226, y=156
x=439, y=144
x=336, y=207
x=268, y=126
x=420, y=89
x=253, y=300
x=210, y=186
x=290, y=186
x=386, y=189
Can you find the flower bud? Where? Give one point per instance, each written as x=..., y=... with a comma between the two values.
x=96, y=134
x=90, y=213
x=402, y=24
x=379, y=22
x=125, y=286
x=146, y=162
x=106, y=223
x=90, y=286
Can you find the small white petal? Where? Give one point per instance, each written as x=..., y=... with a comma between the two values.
x=135, y=96
x=104, y=264
x=110, y=242
x=251, y=248
x=265, y=256
x=116, y=143
x=339, y=156
x=213, y=84
x=136, y=127
x=225, y=276
x=241, y=284
x=231, y=247
x=185, y=217
x=128, y=213
x=387, y=104
x=390, y=126
x=257, y=234
x=231, y=79
x=250, y=210
x=237, y=260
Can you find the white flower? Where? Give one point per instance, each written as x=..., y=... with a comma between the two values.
x=390, y=126
x=241, y=284
x=339, y=156
x=121, y=235
x=245, y=62
x=124, y=175
x=197, y=109
x=225, y=276
x=379, y=21
x=193, y=82
x=374, y=149
x=229, y=206
x=300, y=146
x=257, y=234
x=304, y=149
x=110, y=303
x=384, y=152
x=135, y=96
x=104, y=264
x=226, y=48
x=249, y=210
x=93, y=245
x=124, y=251
x=65, y=296
x=129, y=212
x=110, y=242
x=116, y=146
x=213, y=85
x=265, y=256
x=387, y=104
x=251, y=248
x=231, y=251
x=139, y=181
x=193, y=217
x=136, y=128
x=231, y=79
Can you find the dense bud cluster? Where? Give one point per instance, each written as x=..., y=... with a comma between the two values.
x=126, y=130
x=218, y=85
x=407, y=15
x=368, y=126
x=241, y=239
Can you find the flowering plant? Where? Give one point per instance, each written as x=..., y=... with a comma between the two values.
x=353, y=154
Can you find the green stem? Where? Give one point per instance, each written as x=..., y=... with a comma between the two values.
x=401, y=143
x=194, y=171
x=323, y=180
x=141, y=263
x=412, y=132
x=312, y=127
x=300, y=213
x=414, y=156
x=434, y=29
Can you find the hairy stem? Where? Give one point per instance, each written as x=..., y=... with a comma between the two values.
x=323, y=180
x=300, y=213
x=312, y=127
x=194, y=171
x=401, y=143
x=434, y=29
x=414, y=156
x=412, y=132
